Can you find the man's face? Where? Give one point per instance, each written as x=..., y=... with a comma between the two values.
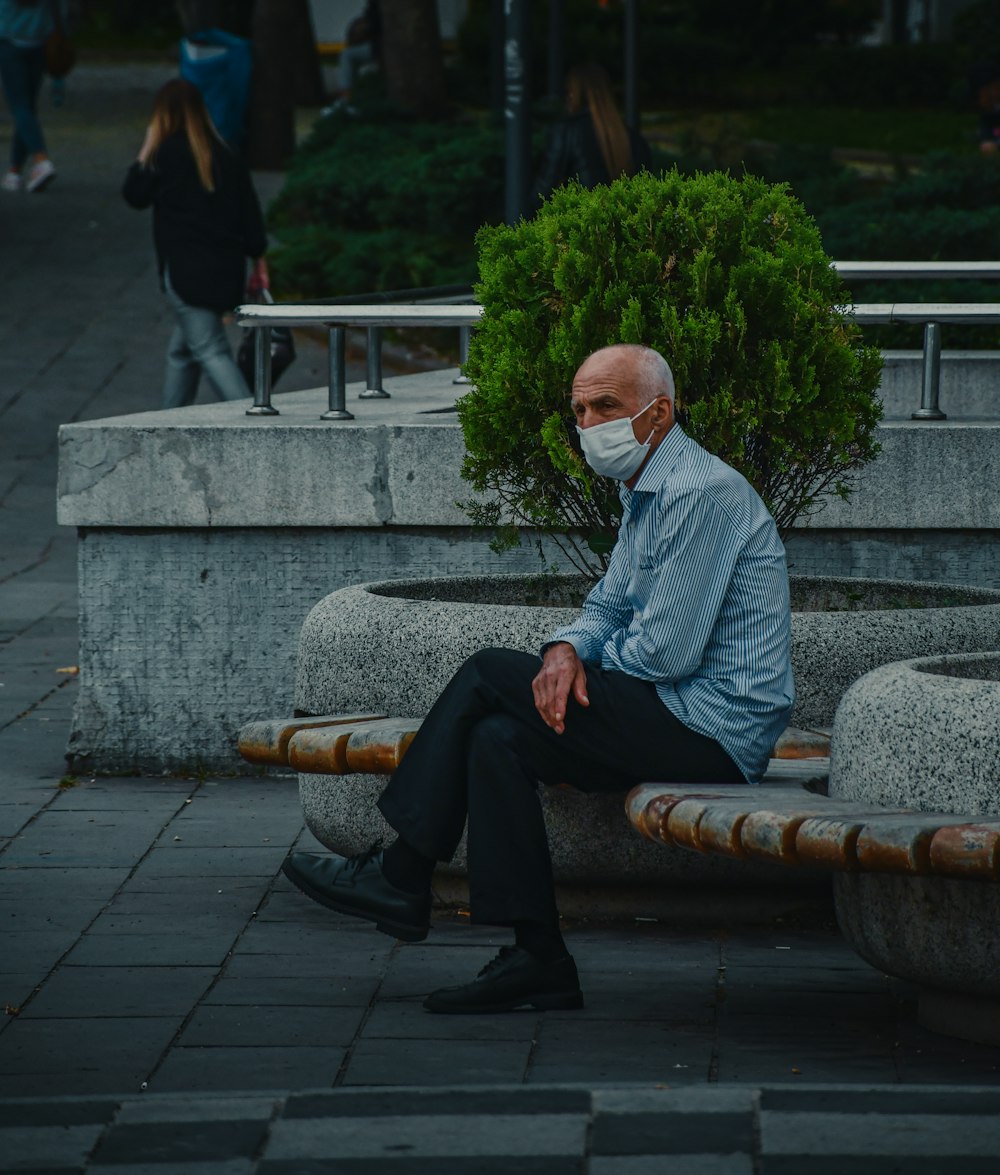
x=603, y=391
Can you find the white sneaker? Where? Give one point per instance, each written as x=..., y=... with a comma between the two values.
x=41, y=173
x=12, y=182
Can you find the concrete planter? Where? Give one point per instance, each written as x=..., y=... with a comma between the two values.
x=392, y=647
x=925, y=734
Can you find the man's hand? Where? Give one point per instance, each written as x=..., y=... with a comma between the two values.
x=260, y=276
x=561, y=671
x=148, y=146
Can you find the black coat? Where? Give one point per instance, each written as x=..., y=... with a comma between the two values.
x=572, y=152
x=203, y=238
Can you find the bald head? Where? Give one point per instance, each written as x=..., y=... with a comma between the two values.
x=642, y=369
x=626, y=381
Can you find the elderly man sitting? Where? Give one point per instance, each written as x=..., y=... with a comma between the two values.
x=677, y=670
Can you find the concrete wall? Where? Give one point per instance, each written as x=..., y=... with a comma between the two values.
x=206, y=536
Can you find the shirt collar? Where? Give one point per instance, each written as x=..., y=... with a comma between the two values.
x=661, y=461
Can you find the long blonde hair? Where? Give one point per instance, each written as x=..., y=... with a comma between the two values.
x=179, y=106
x=589, y=84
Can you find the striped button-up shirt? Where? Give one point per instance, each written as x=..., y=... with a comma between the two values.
x=695, y=599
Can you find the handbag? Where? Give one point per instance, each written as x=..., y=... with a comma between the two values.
x=282, y=347
x=60, y=56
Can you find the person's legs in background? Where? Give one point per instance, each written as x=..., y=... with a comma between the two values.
x=200, y=343
x=22, y=71
x=180, y=383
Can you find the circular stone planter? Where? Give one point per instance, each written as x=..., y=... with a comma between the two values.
x=392, y=647
x=925, y=734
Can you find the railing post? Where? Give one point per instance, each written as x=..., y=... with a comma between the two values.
x=337, y=368
x=632, y=64
x=931, y=379
x=464, y=335
x=373, y=383
x=262, y=374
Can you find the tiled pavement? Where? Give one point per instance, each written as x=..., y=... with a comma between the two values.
x=168, y=1000
x=544, y=1130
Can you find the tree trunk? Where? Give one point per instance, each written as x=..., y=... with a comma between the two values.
x=272, y=92
x=412, y=58
x=233, y=16
x=307, y=75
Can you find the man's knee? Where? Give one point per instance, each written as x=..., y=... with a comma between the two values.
x=208, y=345
x=492, y=733
x=501, y=754
x=495, y=665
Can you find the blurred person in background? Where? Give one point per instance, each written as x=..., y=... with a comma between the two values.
x=362, y=46
x=592, y=144
x=206, y=223
x=986, y=84
x=25, y=25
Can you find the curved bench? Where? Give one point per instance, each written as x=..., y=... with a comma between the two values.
x=347, y=744
x=783, y=825
x=776, y=824
x=791, y=827
x=601, y=868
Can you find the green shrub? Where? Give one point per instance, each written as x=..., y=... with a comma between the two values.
x=728, y=279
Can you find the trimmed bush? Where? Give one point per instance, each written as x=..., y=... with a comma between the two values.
x=728, y=279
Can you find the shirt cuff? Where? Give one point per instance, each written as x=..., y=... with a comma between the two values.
x=580, y=643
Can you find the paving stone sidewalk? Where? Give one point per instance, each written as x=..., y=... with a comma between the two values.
x=546, y=1130
x=169, y=999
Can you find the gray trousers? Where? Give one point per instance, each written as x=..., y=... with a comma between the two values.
x=198, y=346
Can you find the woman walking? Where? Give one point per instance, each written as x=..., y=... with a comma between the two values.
x=206, y=223
x=592, y=144
x=24, y=27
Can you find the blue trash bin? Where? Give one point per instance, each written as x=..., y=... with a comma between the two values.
x=220, y=65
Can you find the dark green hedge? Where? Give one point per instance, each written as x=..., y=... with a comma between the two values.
x=385, y=204
x=382, y=204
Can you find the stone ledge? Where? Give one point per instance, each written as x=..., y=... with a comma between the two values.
x=398, y=464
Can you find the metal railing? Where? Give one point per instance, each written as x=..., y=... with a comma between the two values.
x=873, y=270
x=450, y=307
x=428, y=306
x=931, y=315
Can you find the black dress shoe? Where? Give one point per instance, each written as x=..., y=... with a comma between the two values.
x=512, y=980
x=357, y=885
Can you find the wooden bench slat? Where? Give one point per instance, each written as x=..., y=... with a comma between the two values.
x=802, y=744
x=266, y=741
x=379, y=749
x=901, y=843
x=686, y=819
x=967, y=850
x=373, y=747
x=770, y=835
x=831, y=839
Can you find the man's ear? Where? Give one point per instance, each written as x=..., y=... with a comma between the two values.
x=663, y=413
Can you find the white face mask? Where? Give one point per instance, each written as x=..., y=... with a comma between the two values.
x=611, y=448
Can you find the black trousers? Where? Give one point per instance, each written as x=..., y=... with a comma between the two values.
x=483, y=748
